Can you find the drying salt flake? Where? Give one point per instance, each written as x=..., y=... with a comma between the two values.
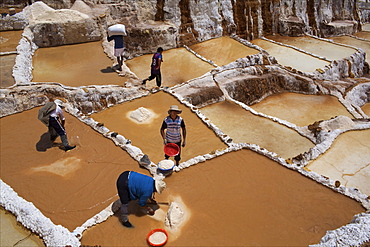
x=141, y=115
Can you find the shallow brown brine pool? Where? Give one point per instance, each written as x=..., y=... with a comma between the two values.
x=236, y=199
x=179, y=65
x=290, y=57
x=223, y=50
x=75, y=65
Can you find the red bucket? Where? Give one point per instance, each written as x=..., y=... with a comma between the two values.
x=157, y=237
x=171, y=149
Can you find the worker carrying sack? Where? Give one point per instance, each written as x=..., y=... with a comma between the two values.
x=117, y=29
x=45, y=111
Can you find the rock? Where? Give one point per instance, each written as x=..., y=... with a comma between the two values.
x=145, y=161
x=60, y=27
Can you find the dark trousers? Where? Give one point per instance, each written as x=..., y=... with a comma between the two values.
x=158, y=78
x=122, y=187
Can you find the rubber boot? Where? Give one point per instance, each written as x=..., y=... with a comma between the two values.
x=124, y=216
x=65, y=143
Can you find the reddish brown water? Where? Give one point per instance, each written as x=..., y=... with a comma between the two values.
x=75, y=65
x=8, y=43
x=6, y=70
x=147, y=136
x=366, y=109
x=71, y=187
x=241, y=199
x=9, y=40
x=178, y=66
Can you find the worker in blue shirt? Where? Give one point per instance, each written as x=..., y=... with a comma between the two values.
x=135, y=186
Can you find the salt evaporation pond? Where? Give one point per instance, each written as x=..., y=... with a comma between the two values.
x=179, y=65
x=352, y=166
x=316, y=46
x=75, y=65
x=8, y=46
x=68, y=188
x=200, y=139
x=6, y=65
x=245, y=127
x=15, y=232
x=223, y=50
x=298, y=206
x=363, y=35
x=290, y=57
x=301, y=109
x=235, y=200
x=366, y=109
x=363, y=44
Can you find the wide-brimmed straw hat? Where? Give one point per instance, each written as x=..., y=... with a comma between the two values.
x=174, y=108
x=160, y=185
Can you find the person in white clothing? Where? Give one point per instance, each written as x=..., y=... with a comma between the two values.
x=52, y=116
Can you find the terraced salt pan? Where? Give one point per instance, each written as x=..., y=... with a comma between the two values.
x=352, y=167
x=235, y=199
x=13, y=232
x=9, y=41
x=301, y=109
x=8, y=49
x=69, y=188
x=223, y=50
x=147, y=136
x=363, y=44
x=363, y=35
x=315, y=46
x=366, y=109
x=290, y=57
x=6, y=65
x=243, y=126
x=179, y=65
x=66, y=64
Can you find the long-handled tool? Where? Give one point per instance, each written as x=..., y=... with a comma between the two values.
x=162, y=203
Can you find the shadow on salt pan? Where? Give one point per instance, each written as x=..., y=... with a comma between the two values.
x=243, y=126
